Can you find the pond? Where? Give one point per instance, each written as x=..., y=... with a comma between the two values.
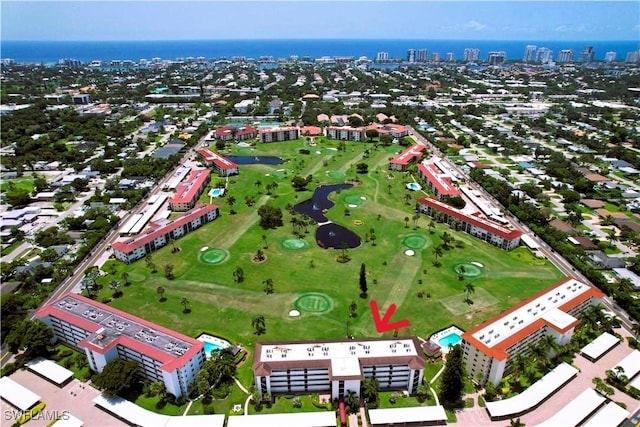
x=254, y=160
x=327, y=235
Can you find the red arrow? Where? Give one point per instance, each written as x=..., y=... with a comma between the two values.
x=383, y=325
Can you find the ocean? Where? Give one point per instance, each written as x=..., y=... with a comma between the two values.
x=50, y=52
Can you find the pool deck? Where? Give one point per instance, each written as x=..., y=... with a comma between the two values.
x=435, y=338
x=214, y=340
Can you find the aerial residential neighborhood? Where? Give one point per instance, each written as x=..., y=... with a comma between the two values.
x=423, y=238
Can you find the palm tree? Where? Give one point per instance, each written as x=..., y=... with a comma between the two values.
x=446, y=239
x=249, y=201
x=161, y=292
x=415, y=219
x=264, y=241
x=550, y=344
x=259, y=255
x=432, y=225
x=231, y=200
x=469, y=289
x=407, y=199
x=259, y=325
x=238, y=274
x=258, y=184
x=369, y=390
x=268, y=286
x=114, y=285
x=185, y=304
x=437, y=253
x=125, y=277
x=516, y=423
x=352, y=402
x=406, y=222
x=353, y=307
x=636, y=329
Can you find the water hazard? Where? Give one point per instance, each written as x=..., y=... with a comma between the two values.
x=328, y=235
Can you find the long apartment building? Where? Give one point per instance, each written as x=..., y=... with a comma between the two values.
x=240, y=133
x=490, y=348
x=222, y=165
x=278, y=134
x=489, y=231
x=161, y=233
x=104, y=333
x=411, y=155
x=347, y=133
x=439, y=182
x=188, y=192
x=337, y=366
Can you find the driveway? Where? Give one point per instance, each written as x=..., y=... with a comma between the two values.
x=76, y=398
x=476, y=416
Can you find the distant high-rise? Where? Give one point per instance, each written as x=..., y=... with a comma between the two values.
x=566, y=55
x=450, y=57
x=529, y=53
x=497, y=57
x=610, y=56
x=411, y=55
x=382, y=56
x=435, y=57
x=633, y=57
x=544, y=55
x=422, y=55
x=471, y=54
x=587, y=54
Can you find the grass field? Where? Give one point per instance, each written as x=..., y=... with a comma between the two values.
x=223, y=307
x=23, y=183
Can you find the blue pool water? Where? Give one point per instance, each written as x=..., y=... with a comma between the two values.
x=216, y=192
x=414, y=186
x=210, y=346
x=451, y=339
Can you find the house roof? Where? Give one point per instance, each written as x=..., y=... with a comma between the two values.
x=413, y=152
x=592, y=203
x=442, y=183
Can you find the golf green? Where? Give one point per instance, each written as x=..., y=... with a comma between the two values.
x=294, y=244
x=353, y=200
x=244, y=150
x=313, y=303
x=214, y=256
x=415, y=241
x=467, y=270
x=328, y=151
x=336, y=174
x=282, y=173
x=393, y=149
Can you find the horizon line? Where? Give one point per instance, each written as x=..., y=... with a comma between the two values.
x=320, y=38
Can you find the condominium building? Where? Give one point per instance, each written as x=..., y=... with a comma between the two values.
x=435, y=57
x=489, y=231
x=496, y=57
x=529, y=53
x=188, y=192
x=338, y=366
x=422, y=55
x=588, y=54
x=439, y=181
x=382, y=57
x=450, y=57
x=471, y=55
x=544, y=55
x=412, y=154
x=489, y=349
x=411, y=55
x=565, y=55
x=162, y=232
x=610, y=56
x=223, y=166
x=241, y=133
x=104, y=333
x=278, y=134
x=360, y=133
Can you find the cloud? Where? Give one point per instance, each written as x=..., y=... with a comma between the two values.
x=475, y=26
x=570, y=28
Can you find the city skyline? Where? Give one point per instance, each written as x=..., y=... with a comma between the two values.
x=204, y=20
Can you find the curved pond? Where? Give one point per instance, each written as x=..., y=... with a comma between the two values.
x=328, y=235
x=254, y=160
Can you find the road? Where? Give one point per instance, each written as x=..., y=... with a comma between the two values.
x=559, y=261
x=75, y=278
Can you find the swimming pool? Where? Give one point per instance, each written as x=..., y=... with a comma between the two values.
x=212, y=343
x=451, y=339
x=216, y=192
x=414, y=186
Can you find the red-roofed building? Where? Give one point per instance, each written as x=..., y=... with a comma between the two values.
x=440, y=184
x=347, y=133
x=411, y=155
x=223, y=166
x=489, y=349
x=240, y=133
x=311, y=131
x=161, y=233
x=397, y=131
x=497, y=235
x=278, y=134
x=104, y=333
x=188, y=192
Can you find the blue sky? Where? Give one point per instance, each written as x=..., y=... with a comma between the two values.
x=304, y=19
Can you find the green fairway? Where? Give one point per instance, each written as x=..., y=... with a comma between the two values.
x=307, y=277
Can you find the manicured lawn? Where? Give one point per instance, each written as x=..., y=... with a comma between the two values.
x=285, y=405
x=151, y=403
x=401, y=401
x=221, y=306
